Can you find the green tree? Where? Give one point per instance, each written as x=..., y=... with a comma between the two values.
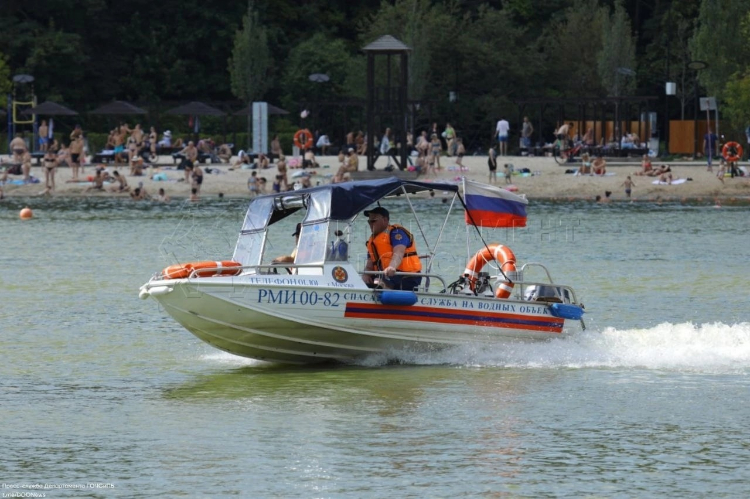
x=575, y=41
x=737, y=90
x=250, y=64
x=321, y=54
x=5, y=81
x=718, y=41
x=430, y=30
x=617, y=53
x=501, y=64
x=737, y=100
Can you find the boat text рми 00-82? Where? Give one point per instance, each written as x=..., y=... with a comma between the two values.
x=319, y=307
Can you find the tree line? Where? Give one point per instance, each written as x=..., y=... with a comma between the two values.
x=489, y=53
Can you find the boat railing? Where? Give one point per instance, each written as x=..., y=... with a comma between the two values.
x=520, y=272
x=543, y=291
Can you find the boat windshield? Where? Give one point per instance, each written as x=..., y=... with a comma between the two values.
x=326, y=209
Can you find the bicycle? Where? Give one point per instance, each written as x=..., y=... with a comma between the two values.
x=567, y=154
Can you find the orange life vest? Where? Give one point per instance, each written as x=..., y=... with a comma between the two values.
x=380, y=251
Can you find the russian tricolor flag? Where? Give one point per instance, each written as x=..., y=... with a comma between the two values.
x=489, y=206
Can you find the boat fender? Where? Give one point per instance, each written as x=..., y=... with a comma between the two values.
x=566, y=311
x=406, y=298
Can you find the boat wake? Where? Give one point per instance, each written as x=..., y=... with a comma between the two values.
x=704, y=348
x=688, y=347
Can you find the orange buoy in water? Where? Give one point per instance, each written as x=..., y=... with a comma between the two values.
x=26, y=214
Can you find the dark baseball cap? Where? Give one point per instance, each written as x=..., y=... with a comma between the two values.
x=379, y=210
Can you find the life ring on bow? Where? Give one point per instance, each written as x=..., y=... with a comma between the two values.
x=732, y=152
x=183, y=270
x=303, y=139
x=503, y=256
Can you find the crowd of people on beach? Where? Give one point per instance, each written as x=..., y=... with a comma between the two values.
x=135, y=153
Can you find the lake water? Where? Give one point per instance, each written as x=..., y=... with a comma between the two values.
x=100, y=389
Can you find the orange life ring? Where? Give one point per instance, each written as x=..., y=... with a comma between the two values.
x=732, y=152
x=183, y=270
x=303, y=139
x=502, y=255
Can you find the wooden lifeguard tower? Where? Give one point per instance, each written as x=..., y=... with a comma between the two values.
x=387, y=99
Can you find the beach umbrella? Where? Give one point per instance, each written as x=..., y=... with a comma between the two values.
x=49, y=108
x=196, y=109
x=118, y=107
x=248, y=110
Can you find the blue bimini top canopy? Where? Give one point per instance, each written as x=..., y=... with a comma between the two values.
x=343, y=201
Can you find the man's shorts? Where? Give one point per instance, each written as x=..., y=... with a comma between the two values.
x=406, y=283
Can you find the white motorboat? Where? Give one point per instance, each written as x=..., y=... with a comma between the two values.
x=319, y=308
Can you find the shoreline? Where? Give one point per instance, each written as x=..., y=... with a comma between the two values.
x=547, y=181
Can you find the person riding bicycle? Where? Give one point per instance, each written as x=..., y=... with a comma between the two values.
x=563, y=135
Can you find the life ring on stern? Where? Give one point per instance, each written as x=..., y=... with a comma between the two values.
x=183, y=270
x=732, y=152
x=503, y=256
x=303, y=139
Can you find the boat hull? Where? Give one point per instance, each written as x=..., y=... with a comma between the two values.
x=291, y=322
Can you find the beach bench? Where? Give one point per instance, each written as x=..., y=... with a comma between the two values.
x=106, y=156
x=38, y=157
x=203, y=157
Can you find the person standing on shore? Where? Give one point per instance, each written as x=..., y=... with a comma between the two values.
x=77, y=157
x=43, y=136
x=709, y=148
x=526, y=130
x=50, y=168
x=492, y=163
x=450, y=139
x=501, y=131
x=628, y=184
x=436, y=147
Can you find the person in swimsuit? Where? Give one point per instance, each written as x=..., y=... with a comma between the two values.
x=18, y=146
x=492, y=163
x=599, y=166
x=162, y=197
x=50, y=168
x=76, y=154
x=646, y=166
x=98, y=184
x=628, y=184
x=585, y=168
x=196, y=174
x=43, y=139
x=122, y=183
x=436, y=148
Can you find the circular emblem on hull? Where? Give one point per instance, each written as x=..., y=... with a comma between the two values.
x=339, y=274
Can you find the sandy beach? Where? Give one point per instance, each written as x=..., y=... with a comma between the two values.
x=547, y=180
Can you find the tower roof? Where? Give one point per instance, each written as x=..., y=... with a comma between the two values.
x=386, y=43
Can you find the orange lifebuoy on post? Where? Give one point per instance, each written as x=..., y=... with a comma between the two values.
x=303, y=139
x=183, y=270
x=732, y=152
x=502, y=255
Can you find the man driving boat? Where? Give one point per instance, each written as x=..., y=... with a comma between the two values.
x=390, y=249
